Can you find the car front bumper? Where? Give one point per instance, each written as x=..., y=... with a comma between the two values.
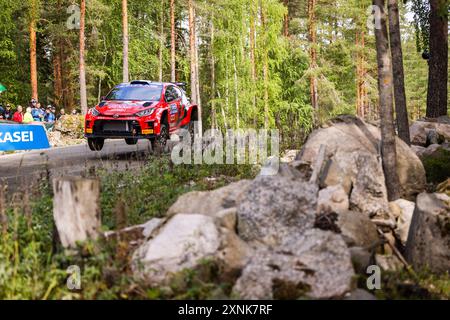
x=119, y=128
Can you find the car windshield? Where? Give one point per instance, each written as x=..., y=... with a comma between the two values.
x=139, y=93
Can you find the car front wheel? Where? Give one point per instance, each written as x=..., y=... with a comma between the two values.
x=160, y=142
x=96, y=144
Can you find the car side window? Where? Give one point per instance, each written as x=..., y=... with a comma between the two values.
x=170, y=94
x=177, y=93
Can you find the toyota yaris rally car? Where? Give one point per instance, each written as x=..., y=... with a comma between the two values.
x=140, y=110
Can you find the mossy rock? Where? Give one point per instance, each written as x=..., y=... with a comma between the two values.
x=437, y=166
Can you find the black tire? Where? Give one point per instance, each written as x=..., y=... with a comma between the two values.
x=96, y=144
x=159, y=143
x=131, y=141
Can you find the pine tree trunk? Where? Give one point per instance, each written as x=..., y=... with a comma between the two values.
x=57, y=85
x=265, y=68
x=33, y=63
x=161, y=43
x=213, y=78
x=195, y=87
x=438, y=64
x=236, y=91
x=252, y=43
x=286, y=19
x=227, y=85
x=385, y=87
x=361, y=90
x=359, y=78
x=197, y=76
x=313, y=53
x=125, y=70
x=397, y=68
x=192, y=52
x=83, y=94
x=172, y=42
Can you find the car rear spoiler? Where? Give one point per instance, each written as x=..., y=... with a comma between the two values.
x=182, y=85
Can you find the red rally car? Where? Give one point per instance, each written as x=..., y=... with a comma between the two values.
x=140, y=110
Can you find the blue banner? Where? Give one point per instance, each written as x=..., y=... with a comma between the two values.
x=22, y=137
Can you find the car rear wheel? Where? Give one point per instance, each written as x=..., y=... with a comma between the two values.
x=160, y=142
x=96, y=144
x=131, y=141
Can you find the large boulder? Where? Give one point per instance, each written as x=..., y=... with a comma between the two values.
x=317, y=265
x=353, y=148
x=428, y=245
x=210, y=202
x=427, y=131
x=274, y=208
x=185, y=242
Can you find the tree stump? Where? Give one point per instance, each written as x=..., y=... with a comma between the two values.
x=76, y=209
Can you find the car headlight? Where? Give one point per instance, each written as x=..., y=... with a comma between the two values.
x=95, y=112
x=146, y=112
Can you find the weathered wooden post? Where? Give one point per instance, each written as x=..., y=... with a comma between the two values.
x=76, y=209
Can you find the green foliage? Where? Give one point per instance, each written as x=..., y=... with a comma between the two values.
x=30, y=270
x=424, y=286
x=152, y=191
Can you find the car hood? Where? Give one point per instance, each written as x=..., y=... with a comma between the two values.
x=111, y=108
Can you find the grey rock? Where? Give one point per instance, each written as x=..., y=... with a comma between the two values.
x=275, y=208
x=357, y=229
x=388, y=262
x=210, y=202
x=332, y=199
x=353, y=147
x=420, y=130
x=289, y=156
x=404, y=211
x=185, y=242
x=361, y=259
x=434, y=138
x=428, y=244
x=369, y=194
x=334, y=175
x=317, y=265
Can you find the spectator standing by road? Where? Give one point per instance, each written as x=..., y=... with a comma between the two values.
x=49, y=118
x=50, y=114
x=8, y=114
x=28, y=117
x=37, y=112
x=18, y=115
x=62, y=112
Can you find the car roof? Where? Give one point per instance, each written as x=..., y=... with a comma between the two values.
x=181, y=85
